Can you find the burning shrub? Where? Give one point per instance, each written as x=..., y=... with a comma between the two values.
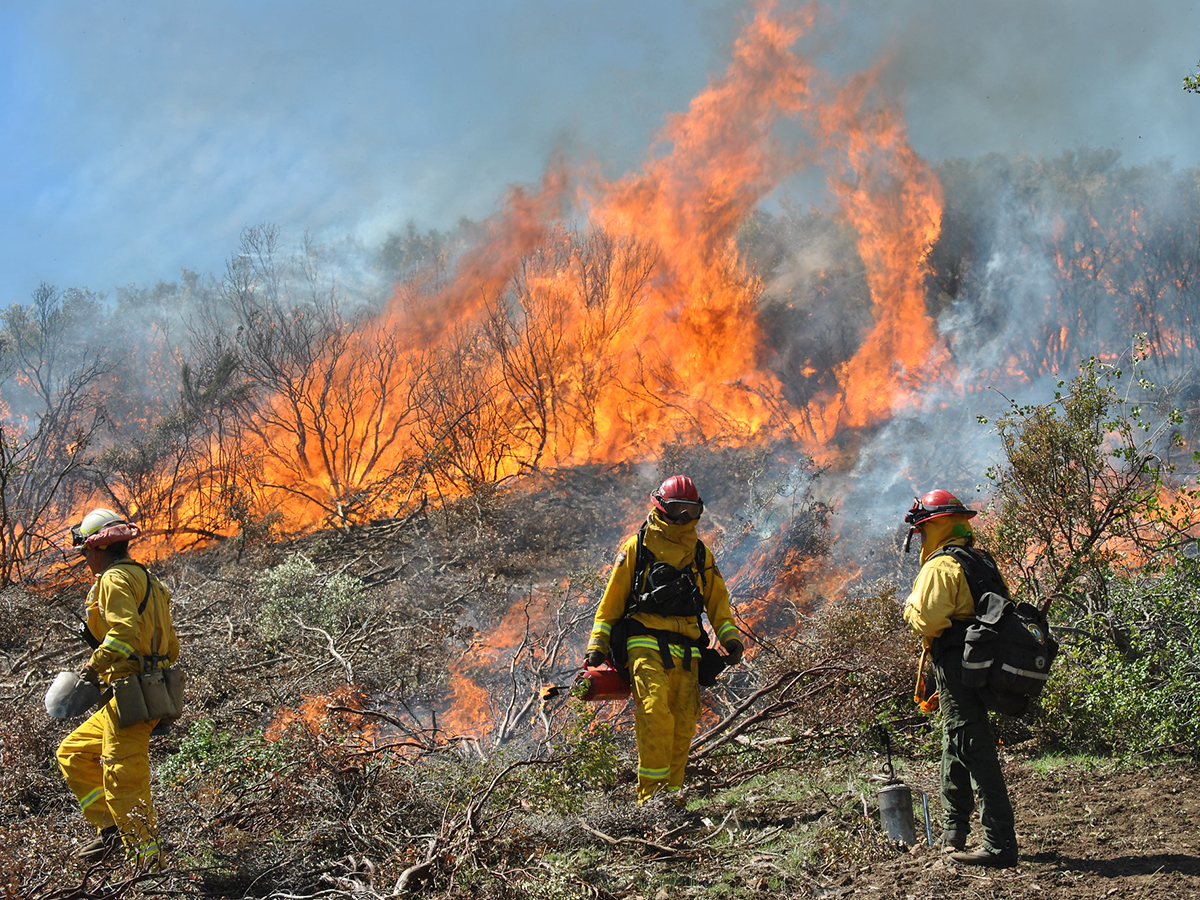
x=296, y=593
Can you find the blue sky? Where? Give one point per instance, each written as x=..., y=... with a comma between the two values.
x=140, y=138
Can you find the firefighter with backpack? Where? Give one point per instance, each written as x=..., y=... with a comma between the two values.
x=940, y=608
x=649, y=620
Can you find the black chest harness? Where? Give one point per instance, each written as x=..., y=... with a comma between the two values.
x=663, y=590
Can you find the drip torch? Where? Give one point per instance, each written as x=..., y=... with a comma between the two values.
x=895, y=802
x=593, y=684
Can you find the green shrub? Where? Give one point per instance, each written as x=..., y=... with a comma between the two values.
x=296, y=589
x=1130, y=688
x=209, y=758
x=590, y=760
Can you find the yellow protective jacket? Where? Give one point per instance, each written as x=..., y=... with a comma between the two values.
x=123, y=633
x=941, y=593
x=675, y=545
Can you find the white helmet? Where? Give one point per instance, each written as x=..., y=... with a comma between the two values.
x=94, y=522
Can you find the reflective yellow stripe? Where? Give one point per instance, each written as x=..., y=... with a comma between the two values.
x=654, y=774
x=649, y=643
x=91, y=798
x=642, y=642
x=119, y=646
x=726, y=629
x=603, y=628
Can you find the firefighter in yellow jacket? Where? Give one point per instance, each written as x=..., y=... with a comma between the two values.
x=656, y=596
x=939, y=609
x=128, y=620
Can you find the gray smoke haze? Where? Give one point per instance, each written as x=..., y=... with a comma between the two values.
x=140, y=139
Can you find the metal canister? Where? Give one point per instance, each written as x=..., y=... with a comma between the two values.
x=603, y=683
x=896, y=813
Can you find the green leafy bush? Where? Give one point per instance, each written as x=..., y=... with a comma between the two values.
x=209, y=758
x=1088, y=513
x=297, y=589
x=589, y=759
x=1081, y=492
x=1130, y=688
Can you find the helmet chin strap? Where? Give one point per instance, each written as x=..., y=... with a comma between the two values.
x=908, y=540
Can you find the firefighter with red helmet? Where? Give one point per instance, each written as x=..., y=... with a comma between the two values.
x=939, y=609
x=663, y=580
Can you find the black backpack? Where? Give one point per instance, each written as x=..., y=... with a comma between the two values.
x=1008, y=646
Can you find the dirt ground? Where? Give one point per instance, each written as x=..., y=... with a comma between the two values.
x=1110, y=832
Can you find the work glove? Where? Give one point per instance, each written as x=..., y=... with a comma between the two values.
x=596, y=658
x=734, y=648
x=90, y=675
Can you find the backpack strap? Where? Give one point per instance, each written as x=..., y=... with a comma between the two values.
x=980, y=569
x=138, y=565
x=983, y=577
x=142, y=609
x=641, y=562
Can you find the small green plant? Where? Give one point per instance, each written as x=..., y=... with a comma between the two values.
x=297, y=590
x=208, y=757
x=1191, y=83
x=595, y=758
x=590, y=761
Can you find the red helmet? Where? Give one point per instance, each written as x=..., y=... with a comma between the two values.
x=678, y=500
x=934, y=504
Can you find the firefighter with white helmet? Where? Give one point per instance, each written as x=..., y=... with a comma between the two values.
x=129, y=627
x=662, y=637
x=939, y=609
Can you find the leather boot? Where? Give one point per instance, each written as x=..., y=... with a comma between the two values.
x=985, y=856
x=105, y=842
x=954, y=840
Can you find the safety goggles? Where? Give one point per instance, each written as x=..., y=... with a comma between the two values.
x=682, y=510
x=77, y=537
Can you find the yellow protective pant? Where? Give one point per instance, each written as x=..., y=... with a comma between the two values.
x=665, y=717
x=108, y=769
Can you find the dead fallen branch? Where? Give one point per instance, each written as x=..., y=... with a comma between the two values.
x=734, y=725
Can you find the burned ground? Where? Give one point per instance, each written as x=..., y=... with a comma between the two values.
x=1088, y=828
